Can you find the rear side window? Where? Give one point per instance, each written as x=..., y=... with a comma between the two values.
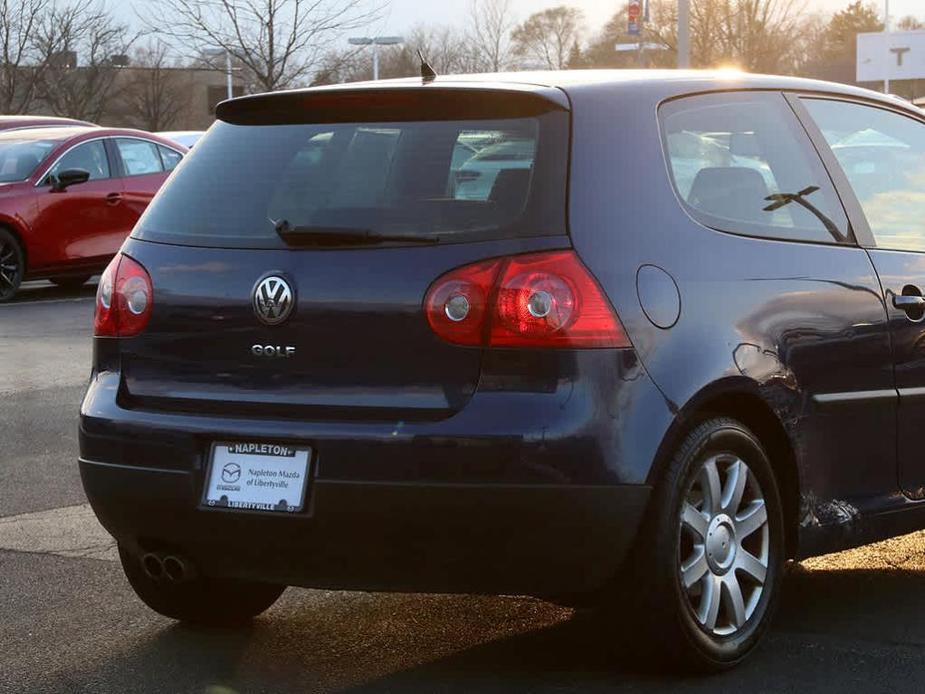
x=139, y=157
x=883, y=156
x=742, y=163
x=455, y=181
x=169, y=158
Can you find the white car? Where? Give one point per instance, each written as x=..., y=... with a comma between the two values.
x=476, y=178
x=187, y=138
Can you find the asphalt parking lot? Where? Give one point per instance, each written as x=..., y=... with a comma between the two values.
x=69, y=622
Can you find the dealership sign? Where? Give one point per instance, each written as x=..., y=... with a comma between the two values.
x=898, y=55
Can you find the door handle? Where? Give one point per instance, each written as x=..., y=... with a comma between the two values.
x=113, y=198
x=906, y=302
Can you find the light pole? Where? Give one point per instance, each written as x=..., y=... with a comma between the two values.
x=375, y=42
x=684, y=34
x=886, y=28
x=215, y=53
x=229, y=85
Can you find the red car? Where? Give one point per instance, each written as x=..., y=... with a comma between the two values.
x=70, y=196
x=26, y=121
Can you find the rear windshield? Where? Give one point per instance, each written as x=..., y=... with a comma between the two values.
x=455, y=181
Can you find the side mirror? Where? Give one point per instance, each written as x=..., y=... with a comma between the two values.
x=68, y=177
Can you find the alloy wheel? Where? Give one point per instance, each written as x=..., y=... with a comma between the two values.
x=724, y=544
x=9, y=268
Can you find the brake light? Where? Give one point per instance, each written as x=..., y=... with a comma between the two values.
x=547, y=300
x=124, y=299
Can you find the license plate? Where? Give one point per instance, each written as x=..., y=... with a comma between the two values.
x=257, y=477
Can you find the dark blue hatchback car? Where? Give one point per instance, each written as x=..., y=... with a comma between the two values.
x=630, y=337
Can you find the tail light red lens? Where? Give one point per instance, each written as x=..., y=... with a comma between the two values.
x=457, y=303
x=547, y=300
x=124, y=299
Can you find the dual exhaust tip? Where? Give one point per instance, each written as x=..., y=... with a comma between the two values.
x=171, y=568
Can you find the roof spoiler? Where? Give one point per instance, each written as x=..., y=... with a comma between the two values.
x=393, y=103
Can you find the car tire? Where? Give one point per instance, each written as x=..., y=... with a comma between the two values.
x=12, y=265
x=201, y=600
x=70, y=282
x=711, y=552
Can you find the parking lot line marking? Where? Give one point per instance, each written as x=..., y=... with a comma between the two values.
x=71, y=531
x=74, y=300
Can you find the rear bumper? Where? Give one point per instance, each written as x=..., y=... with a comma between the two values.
x=536, y=486
x=474, y=538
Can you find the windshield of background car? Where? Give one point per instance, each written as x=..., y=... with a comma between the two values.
x=452, y=180
x=19, y=157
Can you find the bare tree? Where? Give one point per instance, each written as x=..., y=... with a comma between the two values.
x=491, y=23
x=910, y=23
x=157, y=92
x=448, y=51
x=600, y=52
x=756, y=35
x=339, y=65
x=446, y=48
x=548, y=38
x=81, y=88
x=279, y=43
x=21, y=64
x=764, y=34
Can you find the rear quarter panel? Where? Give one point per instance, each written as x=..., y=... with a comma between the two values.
x=785, y=321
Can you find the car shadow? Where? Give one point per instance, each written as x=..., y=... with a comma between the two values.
x=830, y=624
x=40, y=290
x=836, y=629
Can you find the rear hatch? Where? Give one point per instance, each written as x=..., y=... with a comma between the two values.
x=291, y=252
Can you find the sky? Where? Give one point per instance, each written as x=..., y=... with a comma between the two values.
x=406, y=13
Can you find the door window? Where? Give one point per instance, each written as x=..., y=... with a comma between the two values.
x=139, y=157
x=90, y=156
x=883, y=156
x=742, y=163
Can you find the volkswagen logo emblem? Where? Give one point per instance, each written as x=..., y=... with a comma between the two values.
x=273, y=300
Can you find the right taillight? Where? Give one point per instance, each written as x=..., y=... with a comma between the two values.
x=124, y=299
x=544, y=300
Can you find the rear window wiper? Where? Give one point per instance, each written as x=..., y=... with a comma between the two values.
x=779, y=200
x=341, y=236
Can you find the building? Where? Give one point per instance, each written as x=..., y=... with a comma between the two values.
x=166, y=98
x=119, y=94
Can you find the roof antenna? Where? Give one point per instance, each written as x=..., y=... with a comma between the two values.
x=428, y=74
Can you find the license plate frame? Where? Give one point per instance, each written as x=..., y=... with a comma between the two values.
x=246, y=476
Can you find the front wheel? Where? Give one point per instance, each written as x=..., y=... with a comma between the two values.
x=12, y=265
x=196, y=599
x=712, y=549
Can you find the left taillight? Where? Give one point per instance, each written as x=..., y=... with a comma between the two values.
x=540, y=300
x=124, y=299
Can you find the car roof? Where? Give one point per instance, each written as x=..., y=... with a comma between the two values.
x=682, y=81
x=130, y=132
x=26, y=118
x=179, y=133
x=61, y=134
x=662, y=84
x=57, y=133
